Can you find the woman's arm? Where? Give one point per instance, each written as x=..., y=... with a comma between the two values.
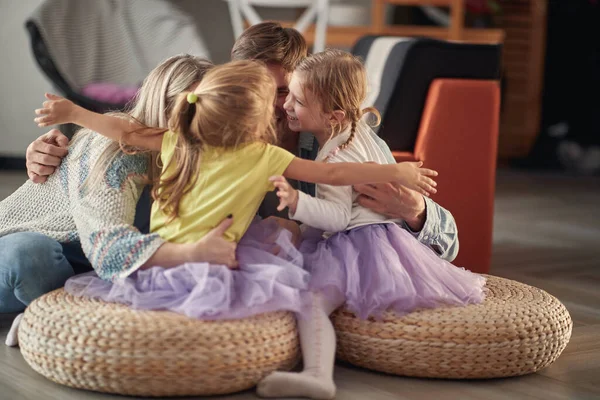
x=104, y=214
x=409, y=174
x=58, y=110
x=212, y=248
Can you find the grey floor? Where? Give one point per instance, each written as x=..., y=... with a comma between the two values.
x=546, y=233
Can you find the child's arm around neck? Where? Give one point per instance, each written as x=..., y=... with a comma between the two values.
x=58, y=110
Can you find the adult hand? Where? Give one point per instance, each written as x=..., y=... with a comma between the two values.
x=45, y=154
x=213, y=247
x=394, y=201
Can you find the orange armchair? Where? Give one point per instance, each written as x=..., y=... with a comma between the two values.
x=458, y=138
x=440, y=103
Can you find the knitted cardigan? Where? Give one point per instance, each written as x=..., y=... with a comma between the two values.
x=100, y=216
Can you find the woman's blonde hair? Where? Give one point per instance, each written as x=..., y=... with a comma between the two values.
x=338, y=80
x=233, y=107
x=152, y=106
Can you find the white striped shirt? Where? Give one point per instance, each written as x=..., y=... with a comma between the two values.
x=335, y=209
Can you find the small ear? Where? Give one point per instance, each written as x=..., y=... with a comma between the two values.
x=338, y=116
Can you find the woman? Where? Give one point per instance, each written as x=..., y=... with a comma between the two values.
x=92, y=200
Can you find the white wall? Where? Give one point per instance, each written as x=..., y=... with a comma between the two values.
x=22, y=84
x=214, y=23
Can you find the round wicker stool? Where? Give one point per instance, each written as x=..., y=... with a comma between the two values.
x=106, y=347
x=517, y=330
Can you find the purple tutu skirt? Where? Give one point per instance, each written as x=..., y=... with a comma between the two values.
x=382, y=267
x=270, y=277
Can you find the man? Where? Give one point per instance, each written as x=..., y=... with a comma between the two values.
x=282, y=49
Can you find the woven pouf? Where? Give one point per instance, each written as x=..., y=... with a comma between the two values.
x=106, y=347
x=517, y=330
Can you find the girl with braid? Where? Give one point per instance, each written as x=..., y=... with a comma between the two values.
x=354, y=255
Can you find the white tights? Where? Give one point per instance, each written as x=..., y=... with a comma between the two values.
x=317, y=340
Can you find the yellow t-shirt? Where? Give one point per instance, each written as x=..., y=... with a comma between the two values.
x=229, y=182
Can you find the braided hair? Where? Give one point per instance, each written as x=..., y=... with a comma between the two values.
x=339, y=81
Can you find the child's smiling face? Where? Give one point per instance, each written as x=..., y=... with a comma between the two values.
x=303, y=109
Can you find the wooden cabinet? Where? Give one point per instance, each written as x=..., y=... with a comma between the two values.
x=524, y=23
x=346, y=36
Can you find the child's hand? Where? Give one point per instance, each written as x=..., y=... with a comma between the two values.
x=416, y=178
x=288, y=196
x=57, y=110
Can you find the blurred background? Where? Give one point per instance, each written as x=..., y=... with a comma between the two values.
x=550, y=59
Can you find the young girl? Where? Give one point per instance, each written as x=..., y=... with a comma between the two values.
x=217, y=160
x=354, y=255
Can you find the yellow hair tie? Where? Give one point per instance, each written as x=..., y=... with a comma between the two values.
x=192, y=98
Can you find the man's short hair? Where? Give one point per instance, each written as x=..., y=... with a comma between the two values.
x=270, y=42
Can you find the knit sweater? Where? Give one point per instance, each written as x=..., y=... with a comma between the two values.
x=100, y=216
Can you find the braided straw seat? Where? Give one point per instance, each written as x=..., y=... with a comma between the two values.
x=107, y=347
x=517, y=330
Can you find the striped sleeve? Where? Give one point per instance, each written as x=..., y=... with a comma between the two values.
x=104, y=217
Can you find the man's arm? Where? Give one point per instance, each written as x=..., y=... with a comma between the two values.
x=431, y=224
x=439, y=231
x=45, y=154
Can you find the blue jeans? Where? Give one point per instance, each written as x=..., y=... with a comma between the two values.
x=31, y=264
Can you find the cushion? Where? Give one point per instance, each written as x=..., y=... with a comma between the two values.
x=400, y=71
x=106, y=347
x=517, y=330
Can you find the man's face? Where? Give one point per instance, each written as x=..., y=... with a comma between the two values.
x=282, y=80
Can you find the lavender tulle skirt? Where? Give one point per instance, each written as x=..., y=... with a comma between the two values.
x=379, y=267
x=270, y=277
